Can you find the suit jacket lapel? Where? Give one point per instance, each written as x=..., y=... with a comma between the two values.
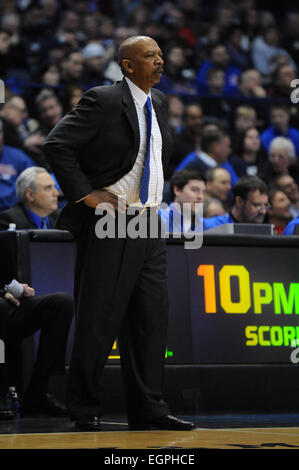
x=164, y=127
x=130, y=111
x=157, y=106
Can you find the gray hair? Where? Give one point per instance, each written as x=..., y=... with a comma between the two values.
x=27, y=180
x=284, y=144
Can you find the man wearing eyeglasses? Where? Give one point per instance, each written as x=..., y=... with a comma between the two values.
x=18, y=134
x=250, y=204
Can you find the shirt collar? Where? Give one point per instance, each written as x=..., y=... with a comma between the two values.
x=139, y=96
x=35, y=218
x=207, y=159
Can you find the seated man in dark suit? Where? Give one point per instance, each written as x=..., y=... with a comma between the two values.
x=21, y=315
x=38, y=201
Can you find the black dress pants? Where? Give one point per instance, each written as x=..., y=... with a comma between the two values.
x=52, y=314
x=120, y=291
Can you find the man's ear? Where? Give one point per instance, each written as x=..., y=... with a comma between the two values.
x=176, y=191
x=239, y=202
x=29, y=195
x=127, y=66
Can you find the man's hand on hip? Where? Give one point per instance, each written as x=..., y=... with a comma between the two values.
x=28, y=291
x=106, y=199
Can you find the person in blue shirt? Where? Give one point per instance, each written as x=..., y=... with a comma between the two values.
x=219, y=58
x=12, y=162
x=280, y=119
x=250, y=204
x=187, y=188
x=289, y=229
x=38, y=201
x=215, y=149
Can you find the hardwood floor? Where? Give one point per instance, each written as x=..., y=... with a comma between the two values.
x=242, y=438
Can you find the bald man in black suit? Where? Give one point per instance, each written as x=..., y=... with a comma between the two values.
x=97, y=153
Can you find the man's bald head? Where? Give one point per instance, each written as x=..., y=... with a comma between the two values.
x=128, y=48
x=140, y=59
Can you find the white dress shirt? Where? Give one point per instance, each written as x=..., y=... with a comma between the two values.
x=128, y=186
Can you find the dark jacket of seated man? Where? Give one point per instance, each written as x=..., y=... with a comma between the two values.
x=21, y=315
x=20, y=216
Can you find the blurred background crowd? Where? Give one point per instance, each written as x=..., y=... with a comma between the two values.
x=229, y=75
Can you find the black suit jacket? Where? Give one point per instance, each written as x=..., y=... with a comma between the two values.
x=97, y=143
x=17, y=215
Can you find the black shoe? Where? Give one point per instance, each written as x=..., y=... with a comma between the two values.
x=5, y=413
x=168, y=422
x=88, y=423
x=45, y=404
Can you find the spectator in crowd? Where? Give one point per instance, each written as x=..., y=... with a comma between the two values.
x=35, y=37
x=291, y=33
x=20, y=131
x=215, y=80
x=94, y=55
x=12, y=114
x=245, y=117
x=56, y=51
x=72, y=68
x=281, y=81
x=177, y=77
x=69, y=29
x=250, y=204
x=5, y=42
x=239, y=56
x=71, y=96
x=188, y=139
x=12, y=162
x=38, y=201
x=22, y=317
x=218, y=184
x=49, y=75
x=288, y=185
x=50, y=110
x=175, y=113
x=282, y=160
x=280, y=126
x=279, y=213
x=186, y=187
x=212, y=207
x=219, y=58
x=215, y=150
x=216, y=105
x=250, y=23
x=265, y=47
x=250, y=85
x=248, y=156
x=16, y=59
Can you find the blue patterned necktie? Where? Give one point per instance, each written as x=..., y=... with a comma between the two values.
x=44, y=224
x=143, y=193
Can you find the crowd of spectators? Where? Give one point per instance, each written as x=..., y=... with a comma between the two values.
x=228, y=72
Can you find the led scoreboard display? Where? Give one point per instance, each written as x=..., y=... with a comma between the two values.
x=244, y=304
x=234, y=301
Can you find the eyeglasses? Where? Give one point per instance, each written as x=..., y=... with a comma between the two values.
x=259, y=205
